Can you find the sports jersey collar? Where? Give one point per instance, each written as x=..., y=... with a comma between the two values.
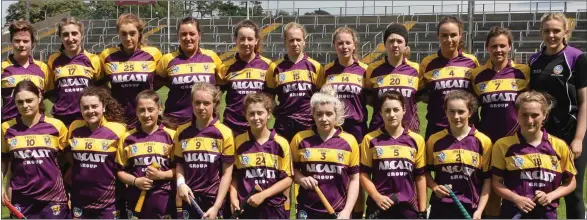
x=489, y=64
x=543, y=51
x=83, y=51
x=120, y=47
x=471, y=132
x=523, y=140
x=336, y=134
x=160, y=126
x=210, y=124
x=102, y=122
x=355, y=62
x=439, y=53
x=387, y=61
x=180, y=51
x=257, y=56
x=19, y=120
x=14, y=62
x=271, y=135
x=304, y=57
x=383, y=131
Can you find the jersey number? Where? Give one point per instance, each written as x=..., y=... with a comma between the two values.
x=30, y=142
x=394, y=81
x=129, y=67
x=260, y=161
x=323, y=156
x=88, y=145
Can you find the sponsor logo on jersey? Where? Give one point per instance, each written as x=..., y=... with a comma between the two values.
x=482, y=87
x=174, y=69
x=519, y=162
x=74, y=143
x=77, y=212
x=11, y=81
x=306, y=154
x=245, y=160
x=380, y=81
x=133, y=150
x=441, y=157
x=13, y=142
x=113, y=67
x=379, y=151
x=302, y=214
x=281, y=77
x=435, y=74
x=184, y=144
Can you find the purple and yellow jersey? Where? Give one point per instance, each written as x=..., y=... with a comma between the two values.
x=440, y=76
x=202, y=154
x=129, y=74
x=139, y=150
x=180, y=73
x=262, y=164
x=462, y=163
x=12, y=73
x=349, y=83
x=497, y=92
x=383, y=77
x=525, y=168
x=70, y=76
x=330, y=162
x=33, y=158
x=294, y=84
x=94, y=166
x=394, y=163
x=240, y=78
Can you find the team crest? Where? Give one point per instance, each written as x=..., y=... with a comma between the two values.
x=145, y=66
x=206, y=67
x=74, y=143
x=186, y=214
x=411, y=82
x=262, y=75
x=129, y=213
x=13, y=142
x=441, y=157
x=378, y=151
x=519, y=162
x=215, y=145
x=482, y=87
x=116, y=214
x=282, y=77
x=41, y=82
x=379, y=81
x=436, y=74
x=174, y=69
x=105, y=145
x=11, y=81
x=412, y=154
x=87, y=72
x=514, y=85
x=113, y=67
x=184, y=144
x=306, y=154
x=554, y=162
x=468, y=73
x=245, y=160
x=77, y=212
x=475, y=160
x=340, y=156
x=302, y=214
x=47, y=140
x=330, y=78
x=558, y=69
x=56, y=209
x=134, y=149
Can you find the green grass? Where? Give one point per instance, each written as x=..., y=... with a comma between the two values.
x=421, y=113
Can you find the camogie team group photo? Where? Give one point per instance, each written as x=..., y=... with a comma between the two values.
x=289, y=116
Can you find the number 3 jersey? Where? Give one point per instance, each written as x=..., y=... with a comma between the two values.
x=202, y=154
x=394, y=163
x=462, y=163
x=263, y=164
x=94, y=166
x=33, y=158
x=330, y=162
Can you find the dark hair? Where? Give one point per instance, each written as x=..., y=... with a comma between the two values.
x=152, y=95
x=393, y=95
x=18, y=26
x=29, y=86
x=454, y=20
x=262, y=98
x=68, y=21
x=136, y=21
x=469, y=99
x=189, y=20
x=252, y=25
x=496, y=31
x=113, y=111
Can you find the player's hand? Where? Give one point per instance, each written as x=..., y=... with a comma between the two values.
x=211, y=213
x=143, y=183
x=384, y=202
x=234, y=205
x=577, y=147
x=5, y=194
x=154, y=173
x=477, y=214
x=441, y=191
x=525, y=204
x=542, y=198
x=256, y=199
x=184, y=192
x=344, y=214
x=308, y=182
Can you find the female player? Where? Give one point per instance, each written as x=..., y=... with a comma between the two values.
x=532, y=169
x=20, y=65
x=204, y=151
x=144, y=156
x=263, y=158
x=130, y=66
x=180, y=69
x=559, y=70
x=243, y=74
x=394, y=72
x=326, y=159
x=293, y=79
x=497, y=84
x=445, y=71
x=30, y=145
x=393, y=163
x=460, y=157
x=72, y=70
x=94, y=141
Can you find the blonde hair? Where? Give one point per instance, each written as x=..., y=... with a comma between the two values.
x=291, y=25
x=327, y=95
x=346, y=30
x=559, y=16
x=136, y=21
x=67, y=21
x=533, y=96
x=207, y=87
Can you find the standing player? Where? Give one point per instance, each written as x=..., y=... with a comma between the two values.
x=204, y=151
x=130, y=66
x=30, y=144
x=559, y=69
x=460, y=157
x=243, y=74
x=497, y=84
x=180, y=69
x=294, y=79
x=394, y=72
x=328, y=158
x=444, y=71
x=72, y=69
x=142, y=148
x=392, y=164
x=263, y=158
x=20, y=66
x=94, y=142
x=532, y=169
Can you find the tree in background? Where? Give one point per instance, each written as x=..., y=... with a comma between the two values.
x=317, y=12
x=38, y=9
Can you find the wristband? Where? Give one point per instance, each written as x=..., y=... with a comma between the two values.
x=134, y=181
x=180, y=181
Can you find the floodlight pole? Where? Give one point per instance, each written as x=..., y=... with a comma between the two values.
x=28, y=5
x=247, y=3
x=470, y=24
x=168, y=26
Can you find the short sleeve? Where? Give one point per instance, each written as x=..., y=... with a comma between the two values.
x=177, y=150
x=581, y=72
x=285, y=162
x=222, y=73
x=294, y=146
x=219, y=65
x=103, y=57
x=228, y=148
x=486, y=156
x=5, y=148
x=355, y=157
x=48, y=77
x=420, y=160
x=162, y=66
x=422, y=76
x=270, y=78
x=97, y=66
x=319, y=76
x=368, y=83
x=567, y=159
x=121, y=155
x=430, y=154
x=497, y=159
x=63, y=140
x=366, y=156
